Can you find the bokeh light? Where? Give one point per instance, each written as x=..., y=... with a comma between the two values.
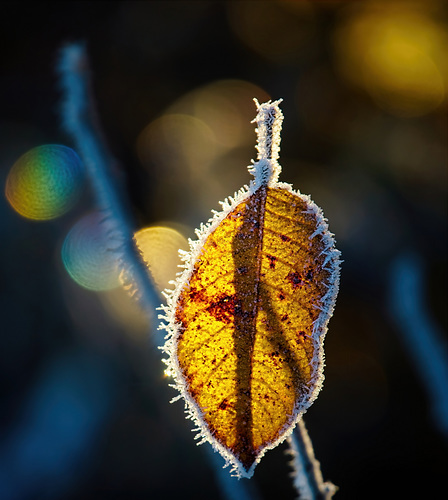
x=126, y=311
x=381, y=180
x=159, y=247
x=183, y=133
x=45, y=182
x=396, y=51
x=227, y=107
x=192, y=140
x=88, y=255
x=201, y=126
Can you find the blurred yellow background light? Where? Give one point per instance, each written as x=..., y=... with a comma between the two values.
x=159, y=248
x=206, y=133
x=397, y=52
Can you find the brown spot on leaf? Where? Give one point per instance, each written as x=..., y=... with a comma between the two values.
x=272, y=261
x=224, y=308
x=295, y=279
x=301, y=336
x=223, y=405
x=196, y=295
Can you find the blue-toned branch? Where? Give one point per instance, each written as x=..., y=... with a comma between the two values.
x=80, y=121
x=307, y=475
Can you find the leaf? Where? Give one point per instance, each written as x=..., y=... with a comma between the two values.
x=249, y=314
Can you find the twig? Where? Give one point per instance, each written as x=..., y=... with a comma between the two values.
x=307, y=475
x=80, y=121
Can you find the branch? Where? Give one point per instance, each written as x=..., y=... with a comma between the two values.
x=80, y=121
x=307, y=475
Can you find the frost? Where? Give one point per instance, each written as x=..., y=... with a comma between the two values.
x=265, y=170
x=307, y=476
x=269, y=125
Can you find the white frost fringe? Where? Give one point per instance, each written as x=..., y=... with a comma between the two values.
x=306, y=474
x=266, y=171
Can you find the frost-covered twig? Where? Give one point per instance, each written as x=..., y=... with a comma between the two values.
x=307, y=475
x=269, y=121
x=421, y=336
x=80, y=121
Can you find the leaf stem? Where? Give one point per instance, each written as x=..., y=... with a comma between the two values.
x=269, y=121
x=308, y=479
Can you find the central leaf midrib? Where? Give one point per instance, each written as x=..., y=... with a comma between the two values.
x=247, y=296
x=260, y=211
x=263, y=190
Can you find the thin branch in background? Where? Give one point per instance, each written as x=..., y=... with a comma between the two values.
x=421, y=336
x=79, y=119
x=307, y=475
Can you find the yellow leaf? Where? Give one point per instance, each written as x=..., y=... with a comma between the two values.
x=248, y=317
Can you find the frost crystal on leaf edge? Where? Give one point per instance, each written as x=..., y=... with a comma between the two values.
x=266, y=171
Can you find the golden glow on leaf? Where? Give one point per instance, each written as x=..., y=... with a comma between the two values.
x=248, y=317
x=247, y=314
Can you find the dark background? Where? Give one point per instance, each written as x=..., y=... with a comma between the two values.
x=85, y=410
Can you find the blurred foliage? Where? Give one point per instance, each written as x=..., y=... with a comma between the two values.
x=365, y=134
